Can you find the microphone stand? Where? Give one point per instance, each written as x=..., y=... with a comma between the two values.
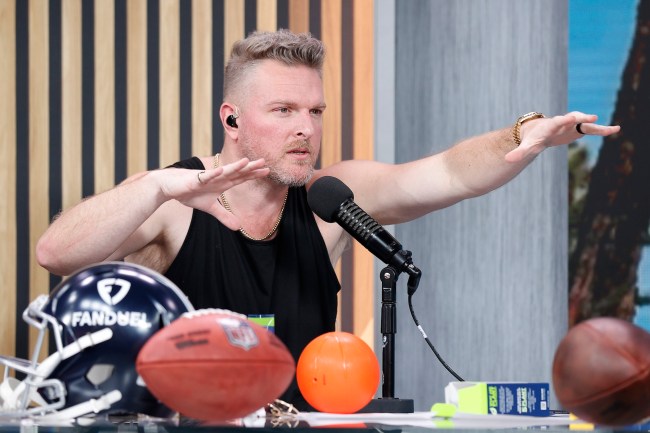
x=388, y=277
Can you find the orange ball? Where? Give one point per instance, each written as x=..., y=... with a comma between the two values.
x=338, y=373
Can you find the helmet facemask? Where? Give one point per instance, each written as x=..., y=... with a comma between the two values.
x=20, y=399
x=98, y=319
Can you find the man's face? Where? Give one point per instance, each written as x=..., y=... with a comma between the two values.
x=281, y=120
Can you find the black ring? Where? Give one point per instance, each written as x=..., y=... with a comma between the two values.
x=579, y=129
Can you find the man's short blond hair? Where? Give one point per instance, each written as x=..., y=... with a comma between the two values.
x=292, y=49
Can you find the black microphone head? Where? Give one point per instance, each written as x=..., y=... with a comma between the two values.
x=326, y=195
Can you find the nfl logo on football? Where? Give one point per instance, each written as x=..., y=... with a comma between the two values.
x=240, y=334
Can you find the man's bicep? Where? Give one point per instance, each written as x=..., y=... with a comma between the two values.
x=153, y=234
x=396, y=193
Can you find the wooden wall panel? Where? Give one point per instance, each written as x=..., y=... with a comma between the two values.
x=169, y=81
x=8, y=176
x=136, y=97
x=233, y=25
x=299, y=16
x=202, y=104
x=96, y=38
x=39, y=121
x=104, y=95
x=267, y=15
x=365, y=280
x=331, y=151
x=331, y=37
x=71, y=117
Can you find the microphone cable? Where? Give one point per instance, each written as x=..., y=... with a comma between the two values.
x=433, y=349
x=442, y=361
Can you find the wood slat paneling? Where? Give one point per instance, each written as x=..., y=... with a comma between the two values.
x=299, y=16
x=39, y=120
x=8, y=176
x=104, y=95
x=89, y=60
x=233, y=25
x=202, y=77
x=331, y=143
x=267, y=15
x=331, y=37
x=136, y=97
x=169, y=89
x=71, y=117
x=365, y=279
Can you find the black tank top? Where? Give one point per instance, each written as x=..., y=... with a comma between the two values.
x=290, y=276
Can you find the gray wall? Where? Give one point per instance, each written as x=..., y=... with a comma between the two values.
x=493, y=297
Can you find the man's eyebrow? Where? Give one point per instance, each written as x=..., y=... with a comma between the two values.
x=281, y=102
x=322, y=105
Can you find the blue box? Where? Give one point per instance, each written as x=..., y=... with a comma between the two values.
x=507, y=398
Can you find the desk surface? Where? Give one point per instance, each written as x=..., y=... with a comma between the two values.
x=418, y=422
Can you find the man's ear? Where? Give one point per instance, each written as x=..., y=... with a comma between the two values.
x=229, y=114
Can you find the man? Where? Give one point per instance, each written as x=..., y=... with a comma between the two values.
x=234, y=230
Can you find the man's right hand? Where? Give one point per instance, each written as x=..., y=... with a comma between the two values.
x=200, y=189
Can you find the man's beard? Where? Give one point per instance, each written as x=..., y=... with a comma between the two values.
x=291, y=180
x=277, y=174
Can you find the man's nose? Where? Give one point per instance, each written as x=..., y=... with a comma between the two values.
x=305, y=127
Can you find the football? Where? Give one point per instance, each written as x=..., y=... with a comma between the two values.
x=215, y=365
x=601, y=372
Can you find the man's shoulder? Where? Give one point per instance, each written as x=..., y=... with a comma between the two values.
x=349, y=171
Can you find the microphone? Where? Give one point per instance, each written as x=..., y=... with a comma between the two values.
x=333, y=201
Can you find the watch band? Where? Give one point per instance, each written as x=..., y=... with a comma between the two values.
x=516, y=129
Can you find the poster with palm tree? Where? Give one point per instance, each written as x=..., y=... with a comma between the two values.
x=609, y=74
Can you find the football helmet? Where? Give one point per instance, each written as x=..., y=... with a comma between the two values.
x=98, y=319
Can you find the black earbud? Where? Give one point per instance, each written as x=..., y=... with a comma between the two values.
x=231, y=121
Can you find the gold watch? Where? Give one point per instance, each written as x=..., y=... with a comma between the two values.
x=516, y=129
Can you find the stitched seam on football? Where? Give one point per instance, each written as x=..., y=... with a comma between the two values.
x=608, y=391
x=614, y=345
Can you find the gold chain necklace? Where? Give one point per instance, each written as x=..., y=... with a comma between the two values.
x=226, y=205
